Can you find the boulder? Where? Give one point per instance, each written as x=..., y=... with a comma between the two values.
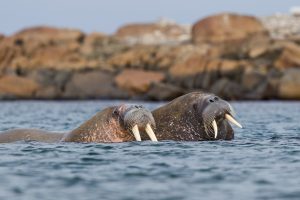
x=17, y=87
x=137, y=81
x=1, y=37
x=154, y=33
x=226, y=27
x=42, y=47
x=192, y=66
x=164, y=92
x=46, y=35
x=152, y=57
x=92, y=84
x=97, y=46
x=289, y=84
x=251, y=79
x=48, y=92
x=289, y=57
x=227, y=89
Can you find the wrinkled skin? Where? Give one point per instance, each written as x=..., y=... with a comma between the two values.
x=190, y=116
x=112, y=124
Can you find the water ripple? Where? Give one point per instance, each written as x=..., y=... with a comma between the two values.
x=261, y=163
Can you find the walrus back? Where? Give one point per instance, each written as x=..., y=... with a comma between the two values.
x=29, y=135
x=102, y=127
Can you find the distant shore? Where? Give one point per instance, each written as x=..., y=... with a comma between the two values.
x=235, y=56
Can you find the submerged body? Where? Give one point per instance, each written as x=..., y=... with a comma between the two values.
x=28, y=135
x=113, y=124
x=193, y=117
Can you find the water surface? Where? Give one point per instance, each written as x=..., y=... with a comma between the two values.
x=262, y=162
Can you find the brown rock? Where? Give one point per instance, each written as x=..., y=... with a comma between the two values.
x=49, y=92
x=289, y=85
x=230, y=67
x=225, y=27
x=17, y=87
x=192, y=66
x=48, y=35
x=97, y=47
x=48, y=77
x=93, y=84
x=137, y=81
x=153, y=33
x=164, y=92
x=154, y=57
x=227, y=89
x=1, y=37
x=42, y=47
x=290, y=56
x=252, y=79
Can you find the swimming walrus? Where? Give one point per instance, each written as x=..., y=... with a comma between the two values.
x=193, y=117
x=113, y=124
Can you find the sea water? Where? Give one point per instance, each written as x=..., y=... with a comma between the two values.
x=262, y=162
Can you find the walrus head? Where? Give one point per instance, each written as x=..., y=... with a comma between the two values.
x=135, y=118
x=214, y=114
x=195, y=116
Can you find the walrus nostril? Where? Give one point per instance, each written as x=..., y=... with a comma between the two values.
x=211, y=100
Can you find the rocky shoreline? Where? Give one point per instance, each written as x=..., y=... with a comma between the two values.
x=235, y=56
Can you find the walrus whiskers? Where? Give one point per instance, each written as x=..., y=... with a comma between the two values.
x=136, y=133
x=150, y=133
x=232, y=120
x=214, y=124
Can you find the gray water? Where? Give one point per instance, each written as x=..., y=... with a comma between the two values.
x=262, y=162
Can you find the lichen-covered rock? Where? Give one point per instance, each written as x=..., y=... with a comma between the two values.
x=161, y=32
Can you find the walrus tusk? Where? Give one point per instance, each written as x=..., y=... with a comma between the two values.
x=214, y=124
x=136, y=133
x=232, y=120
x=150, y=132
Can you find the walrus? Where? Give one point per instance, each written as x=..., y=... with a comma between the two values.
x=193, y=117
x=113, y=124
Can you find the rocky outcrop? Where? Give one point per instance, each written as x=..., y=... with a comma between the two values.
x=13, y=87
x=289, y=85
x=226, y=27
x=137, y=81
x=282, y=26
x=1, y=37
x=92, y=84
x=289, y=57
x=230, y=55
x=161, y=32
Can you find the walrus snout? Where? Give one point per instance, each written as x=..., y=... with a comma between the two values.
x=215, y=114
x=138, y=118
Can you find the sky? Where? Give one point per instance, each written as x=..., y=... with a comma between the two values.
x=107, y=16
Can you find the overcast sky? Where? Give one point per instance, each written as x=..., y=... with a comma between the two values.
x=107, y=16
